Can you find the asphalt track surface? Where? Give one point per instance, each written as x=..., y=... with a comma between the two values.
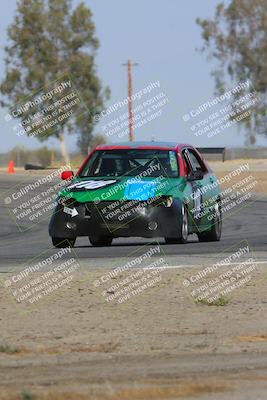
x=246, y=223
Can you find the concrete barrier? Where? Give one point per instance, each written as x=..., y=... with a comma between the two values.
x=225, y=153
x=239, y=153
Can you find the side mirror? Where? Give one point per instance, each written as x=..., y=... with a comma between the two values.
x=195, y=176
x=67, y=175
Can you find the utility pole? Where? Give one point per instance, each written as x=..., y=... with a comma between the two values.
x=52, y=158
x=18, y=157
x=130, y=64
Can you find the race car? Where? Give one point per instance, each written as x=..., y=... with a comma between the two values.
x=138, y=189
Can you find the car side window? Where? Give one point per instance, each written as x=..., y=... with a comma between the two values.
x=187, y=161
x=196, y=162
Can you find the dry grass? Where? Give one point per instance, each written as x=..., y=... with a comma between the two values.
x=220, y=302
x=8, y=349
x=165, y=392
x=259, y=177
x=253, y=338
x=144, y=393
x=97, y=348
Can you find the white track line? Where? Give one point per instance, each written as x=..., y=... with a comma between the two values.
x=207, y=265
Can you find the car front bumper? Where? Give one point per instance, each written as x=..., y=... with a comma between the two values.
x=105, y=219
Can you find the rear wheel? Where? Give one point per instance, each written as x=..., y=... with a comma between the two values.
x=214, y=234
x=100, y=241
x=61, y=242
x=184, y=230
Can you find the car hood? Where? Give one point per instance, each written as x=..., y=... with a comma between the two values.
x=121, y=188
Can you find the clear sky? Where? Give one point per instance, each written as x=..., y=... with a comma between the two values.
x=162, y=36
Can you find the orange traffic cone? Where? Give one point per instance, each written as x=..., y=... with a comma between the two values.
x=11, y=165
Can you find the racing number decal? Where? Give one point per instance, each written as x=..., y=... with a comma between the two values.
x=91, y=185
x=197, y=201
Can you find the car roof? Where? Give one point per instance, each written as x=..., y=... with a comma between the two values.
x=142, y=145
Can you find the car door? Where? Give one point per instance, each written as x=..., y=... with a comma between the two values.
x=189, y=190
x=200, y=188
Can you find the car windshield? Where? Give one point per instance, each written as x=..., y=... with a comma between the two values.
x=133, y=162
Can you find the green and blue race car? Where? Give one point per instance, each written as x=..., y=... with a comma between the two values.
x=141, y=189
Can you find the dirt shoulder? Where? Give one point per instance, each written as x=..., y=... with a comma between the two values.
x=161, y=343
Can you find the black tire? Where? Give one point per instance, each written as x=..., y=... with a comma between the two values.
x=214, y=234
x=184, y=230
x=100, y=241
x=61, y=242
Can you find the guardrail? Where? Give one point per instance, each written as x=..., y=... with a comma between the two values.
x=33, y=166
x=213, y=153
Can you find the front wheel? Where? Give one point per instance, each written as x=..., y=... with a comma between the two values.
x=214, y=234
x=61, y=242
x=184, y=230
x=100, y=241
